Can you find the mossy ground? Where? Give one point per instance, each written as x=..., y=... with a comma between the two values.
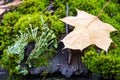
x=28, y=13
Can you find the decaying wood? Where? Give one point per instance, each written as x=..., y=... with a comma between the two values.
x=28, y=49
x=60, y=63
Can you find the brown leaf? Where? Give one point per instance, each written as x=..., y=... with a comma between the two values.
x=88, y=30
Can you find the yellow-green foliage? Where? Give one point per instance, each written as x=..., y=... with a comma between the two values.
x=9, y=62
x=17, y=20
x=10, y=18
x=26, y=20
x=44, y=59
x=40, y=55
x=34, y=19
x=5, y=36
x=105, y=64
x=31, y=6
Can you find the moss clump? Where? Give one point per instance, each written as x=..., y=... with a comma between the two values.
x=32, y=6
x=15, y=54
x=44, y=59
x=26, y=20
x=26, y=15
x=10, y=18
x=6, y=35
x=107, y=65
x=9, y=62
x=34, y=19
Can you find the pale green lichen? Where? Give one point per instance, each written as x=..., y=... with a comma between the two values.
x=14, y=54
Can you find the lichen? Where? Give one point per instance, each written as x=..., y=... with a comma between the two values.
x=15, y=53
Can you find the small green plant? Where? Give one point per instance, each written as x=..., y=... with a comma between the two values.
x=10, y=30
x=14, y=54
x=26, y=13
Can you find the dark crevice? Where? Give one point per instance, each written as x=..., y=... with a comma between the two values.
x=28, y=49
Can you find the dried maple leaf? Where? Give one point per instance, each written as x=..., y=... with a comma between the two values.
x=88, y=30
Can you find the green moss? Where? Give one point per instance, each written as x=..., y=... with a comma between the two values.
x=117, y=17
x=6, y=35
x=100, y=63
x=14, y=54
x=52, y=21
x=10, y=18
x=8, y=62
x=6, y=29
x=44, y=59
x=26, y=20
x=26, y=14
x=93, y=7
x=2, y=45
x=32, y=6
x=41, y=54
x=105, y=64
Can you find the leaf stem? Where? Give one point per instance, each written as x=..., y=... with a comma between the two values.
x=103, y=8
